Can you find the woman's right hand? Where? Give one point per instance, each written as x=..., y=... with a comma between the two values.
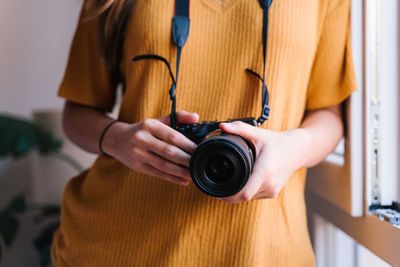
x=153, y=147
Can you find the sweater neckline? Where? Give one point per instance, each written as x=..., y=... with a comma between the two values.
x=220, y=6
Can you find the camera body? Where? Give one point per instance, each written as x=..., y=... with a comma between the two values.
x=222, y=162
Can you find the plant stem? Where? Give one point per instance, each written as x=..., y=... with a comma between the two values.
x=39, y=206
x=68, y=159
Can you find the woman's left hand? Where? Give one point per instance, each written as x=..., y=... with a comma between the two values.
x=278, y=155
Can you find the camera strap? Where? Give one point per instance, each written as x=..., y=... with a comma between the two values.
x=180, y=33
x=265, y=5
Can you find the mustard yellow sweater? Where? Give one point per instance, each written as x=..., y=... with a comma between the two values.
x=113, y=216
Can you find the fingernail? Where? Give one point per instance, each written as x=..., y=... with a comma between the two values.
x=226, y=125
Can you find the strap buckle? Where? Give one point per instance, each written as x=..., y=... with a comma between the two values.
x=265, y=112
x=264, y=115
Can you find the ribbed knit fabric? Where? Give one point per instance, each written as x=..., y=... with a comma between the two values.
x=113, y=216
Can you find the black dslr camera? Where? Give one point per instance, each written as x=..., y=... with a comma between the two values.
x=222, y=162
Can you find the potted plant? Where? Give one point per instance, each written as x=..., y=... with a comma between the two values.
x=18, y=137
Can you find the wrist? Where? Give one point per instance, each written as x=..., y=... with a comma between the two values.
x=302, y=140
x=111, y=135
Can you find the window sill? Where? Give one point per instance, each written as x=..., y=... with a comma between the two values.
x=377, y=235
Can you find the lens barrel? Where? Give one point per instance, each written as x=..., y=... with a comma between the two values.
x=221, y=165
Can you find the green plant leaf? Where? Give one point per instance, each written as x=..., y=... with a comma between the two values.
x=19, y=136
x=48, y=211
x=9, y=226
x=8, y=223
x=17, y=205
x=42, y=242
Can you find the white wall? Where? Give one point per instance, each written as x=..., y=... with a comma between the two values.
x=35, y=38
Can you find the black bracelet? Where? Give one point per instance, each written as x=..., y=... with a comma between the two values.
x=102, y=136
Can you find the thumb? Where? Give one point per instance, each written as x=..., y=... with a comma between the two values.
x=183, y=116
x=240, y=128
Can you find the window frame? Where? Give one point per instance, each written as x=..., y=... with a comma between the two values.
x=341, y=193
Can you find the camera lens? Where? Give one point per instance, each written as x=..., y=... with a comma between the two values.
x=221, y=165
x=219, y=169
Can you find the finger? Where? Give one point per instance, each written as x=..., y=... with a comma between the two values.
x=148, y=169
x=164, y=165
x=182, y=116
x=163, y=149
x=246, y=194
x=260, y=195
x=253, y=185
x=172, y=137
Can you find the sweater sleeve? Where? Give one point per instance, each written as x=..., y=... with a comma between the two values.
x=332, y=78
x=85, y=80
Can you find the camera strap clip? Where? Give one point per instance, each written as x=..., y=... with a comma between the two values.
x=264, y=115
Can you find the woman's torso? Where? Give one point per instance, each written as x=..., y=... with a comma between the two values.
x=113, y=216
